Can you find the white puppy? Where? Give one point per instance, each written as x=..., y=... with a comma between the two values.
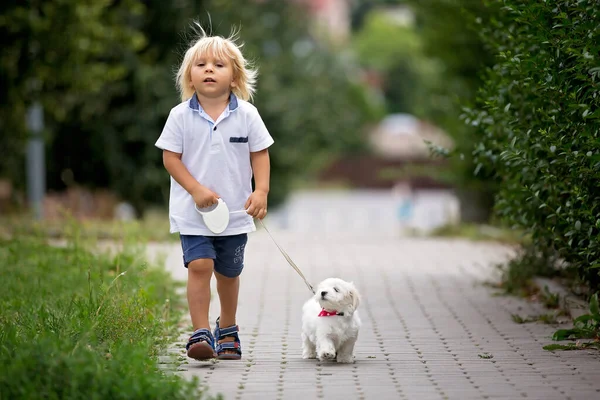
x=330, y=322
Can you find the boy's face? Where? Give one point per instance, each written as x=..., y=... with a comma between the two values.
x=212, y=77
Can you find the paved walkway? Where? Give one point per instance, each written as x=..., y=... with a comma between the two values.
x=430, y=329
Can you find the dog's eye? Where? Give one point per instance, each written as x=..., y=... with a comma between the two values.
x=336, y=289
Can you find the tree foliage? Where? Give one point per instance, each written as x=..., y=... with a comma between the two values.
x=113, y=147
x=308, y=96
x=449, y=32
x=61, y=54
x=104, y=72
x=396, y=53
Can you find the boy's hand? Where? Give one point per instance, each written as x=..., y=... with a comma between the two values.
x=256, y=206
x=204, y=197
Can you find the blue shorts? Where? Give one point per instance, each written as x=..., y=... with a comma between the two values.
x=226, y=251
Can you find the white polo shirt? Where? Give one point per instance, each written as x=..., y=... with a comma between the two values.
x=217, y=154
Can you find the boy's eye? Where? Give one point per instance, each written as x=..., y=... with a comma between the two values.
x=336, y=289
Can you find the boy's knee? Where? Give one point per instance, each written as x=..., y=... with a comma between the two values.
x=228, y=274
x=201, y=266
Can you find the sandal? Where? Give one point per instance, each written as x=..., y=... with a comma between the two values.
x=201, y=345
x=224, y=349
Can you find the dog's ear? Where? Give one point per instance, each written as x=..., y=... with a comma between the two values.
x=355, y=297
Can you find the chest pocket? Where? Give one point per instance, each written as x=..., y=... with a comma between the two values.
x=241, y=139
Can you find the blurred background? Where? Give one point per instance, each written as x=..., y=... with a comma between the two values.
x=362, y=97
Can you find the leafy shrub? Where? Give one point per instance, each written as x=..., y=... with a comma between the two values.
x=538, y=116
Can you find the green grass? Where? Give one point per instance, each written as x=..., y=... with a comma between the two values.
x=478, y=232
x=78, y=325
x=153, y=227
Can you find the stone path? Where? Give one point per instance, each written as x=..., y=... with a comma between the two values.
x=431, y=330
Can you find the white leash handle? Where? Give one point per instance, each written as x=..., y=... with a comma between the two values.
x=288, y=259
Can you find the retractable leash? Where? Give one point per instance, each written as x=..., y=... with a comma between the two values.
x=287, y=258
x=217, y=219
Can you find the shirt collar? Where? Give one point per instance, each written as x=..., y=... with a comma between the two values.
x=195, y=104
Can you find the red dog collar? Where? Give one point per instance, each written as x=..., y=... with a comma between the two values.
x=325, y=313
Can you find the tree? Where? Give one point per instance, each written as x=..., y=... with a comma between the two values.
x=449, y=31
x=396, y=53
x=60, y=54
x=114, y=146
x=109, y=84
x=362, y=8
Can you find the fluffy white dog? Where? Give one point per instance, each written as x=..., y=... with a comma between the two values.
x=330, y=322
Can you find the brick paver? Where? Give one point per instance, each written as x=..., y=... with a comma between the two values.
x=431, y=330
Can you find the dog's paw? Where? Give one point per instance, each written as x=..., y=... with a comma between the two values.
x=326, y=355
x=309, y=355
x=345, y=359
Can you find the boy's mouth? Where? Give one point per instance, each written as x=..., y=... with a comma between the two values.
x=210, y=80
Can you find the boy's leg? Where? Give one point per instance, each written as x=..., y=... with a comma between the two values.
x=198, y=255
x=229, y=263
x=228, y=289
x=198, y=291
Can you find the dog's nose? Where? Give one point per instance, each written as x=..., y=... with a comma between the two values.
x=323, y=293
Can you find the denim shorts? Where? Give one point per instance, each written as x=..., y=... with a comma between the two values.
x=226, y=251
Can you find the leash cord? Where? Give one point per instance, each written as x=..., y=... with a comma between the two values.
x=288, y=259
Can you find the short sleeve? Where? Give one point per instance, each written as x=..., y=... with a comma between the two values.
x=258, y=135
x=171, y=138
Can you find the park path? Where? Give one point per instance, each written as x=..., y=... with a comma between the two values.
x=431, y=329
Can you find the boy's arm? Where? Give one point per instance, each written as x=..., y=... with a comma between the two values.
x=203, y=196
x=261, y=168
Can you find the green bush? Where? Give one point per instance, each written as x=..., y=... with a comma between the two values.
x=537, y=115
x=76, y=325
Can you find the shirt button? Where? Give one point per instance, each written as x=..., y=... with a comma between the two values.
x=215, y=128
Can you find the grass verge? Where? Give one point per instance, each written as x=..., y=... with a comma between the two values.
x=478, y=232
x=78, y=325
x=153, y=227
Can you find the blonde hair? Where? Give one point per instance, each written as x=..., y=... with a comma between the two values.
x=225, y=48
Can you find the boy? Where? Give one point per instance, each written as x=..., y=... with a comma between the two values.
x=213, y=143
